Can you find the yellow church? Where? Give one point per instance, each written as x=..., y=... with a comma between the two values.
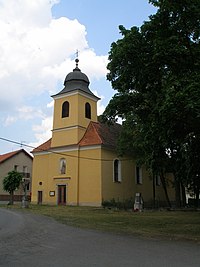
x=79, y=165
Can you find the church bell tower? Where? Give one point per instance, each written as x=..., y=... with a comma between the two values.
x=74, y=107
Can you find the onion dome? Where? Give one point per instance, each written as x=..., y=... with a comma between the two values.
x=76, y=80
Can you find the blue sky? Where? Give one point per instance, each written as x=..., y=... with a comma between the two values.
x=38, y=42
x=102, y=18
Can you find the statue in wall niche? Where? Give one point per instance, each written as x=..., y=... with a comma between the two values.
x=62, y=166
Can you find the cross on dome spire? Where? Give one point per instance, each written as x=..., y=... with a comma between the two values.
x=77, y=60
x=76, y=53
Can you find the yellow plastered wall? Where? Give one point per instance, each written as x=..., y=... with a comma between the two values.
x=67, y=136
x=39, y=176
x=89, y=178
x=70, y=130
x=146, y=188
x=128, y=186
x=118, y=191
x=47, y=177
x=90, y=193
x=82, y=100
x=82, y=179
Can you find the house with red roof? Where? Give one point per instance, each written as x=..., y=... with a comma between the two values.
x=80, y=165
x=21, y=161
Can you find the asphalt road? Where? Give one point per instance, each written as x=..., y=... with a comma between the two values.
x=32, y=240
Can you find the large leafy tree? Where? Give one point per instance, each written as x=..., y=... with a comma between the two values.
x=156, y=72
x=12, y=182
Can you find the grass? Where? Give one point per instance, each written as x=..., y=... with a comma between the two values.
x=173, y=225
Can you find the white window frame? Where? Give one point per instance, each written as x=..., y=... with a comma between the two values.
x=119, y=178
x=138, y=180
x=16, y=167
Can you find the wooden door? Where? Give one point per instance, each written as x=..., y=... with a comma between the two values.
x=61, y=194
x=39, y=197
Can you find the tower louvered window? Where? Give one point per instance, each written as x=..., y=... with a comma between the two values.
x=87, y=111
x=65, y=109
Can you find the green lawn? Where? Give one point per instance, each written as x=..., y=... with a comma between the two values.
x=175, y=225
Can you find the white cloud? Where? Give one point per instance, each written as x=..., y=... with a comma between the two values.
x=93, y=65
x=46, y=125
x=24, y=113
x=42, y=131
x=37, y=50
x=100, y=106
x=51, y=104
x=27, y=113
x=9, y=120
x=37, y=12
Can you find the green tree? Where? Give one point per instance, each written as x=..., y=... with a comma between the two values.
x=156, y=71
x=192, y=154
x=12, y=182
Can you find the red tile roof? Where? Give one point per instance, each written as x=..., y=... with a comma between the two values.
x=96, y=134
x=43, y=147
x=91, y=136
x=11, y=154
x=100, y=133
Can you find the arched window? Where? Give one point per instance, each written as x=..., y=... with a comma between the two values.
x=65, y=109
x=117, y=171
x=62, y=166
x=138, y=174
x=87, y=111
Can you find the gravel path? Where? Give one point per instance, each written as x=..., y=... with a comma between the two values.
x=31, y=240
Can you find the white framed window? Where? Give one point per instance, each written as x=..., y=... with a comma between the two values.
x=138, y=175
x=16, y=168
x=117, y=178
x=25, y=169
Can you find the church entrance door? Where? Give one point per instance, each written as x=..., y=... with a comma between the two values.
x=61, y=194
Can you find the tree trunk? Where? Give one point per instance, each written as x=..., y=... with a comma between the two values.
x=183, y=195
x=197, y=197
x=196, y=191
x=162, y=177
x=177, y=193
x=11, y=198
x=154, y=193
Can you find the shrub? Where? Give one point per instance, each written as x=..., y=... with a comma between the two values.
x=121, y=205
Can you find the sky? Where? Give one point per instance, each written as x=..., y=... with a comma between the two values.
x=38, y=44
